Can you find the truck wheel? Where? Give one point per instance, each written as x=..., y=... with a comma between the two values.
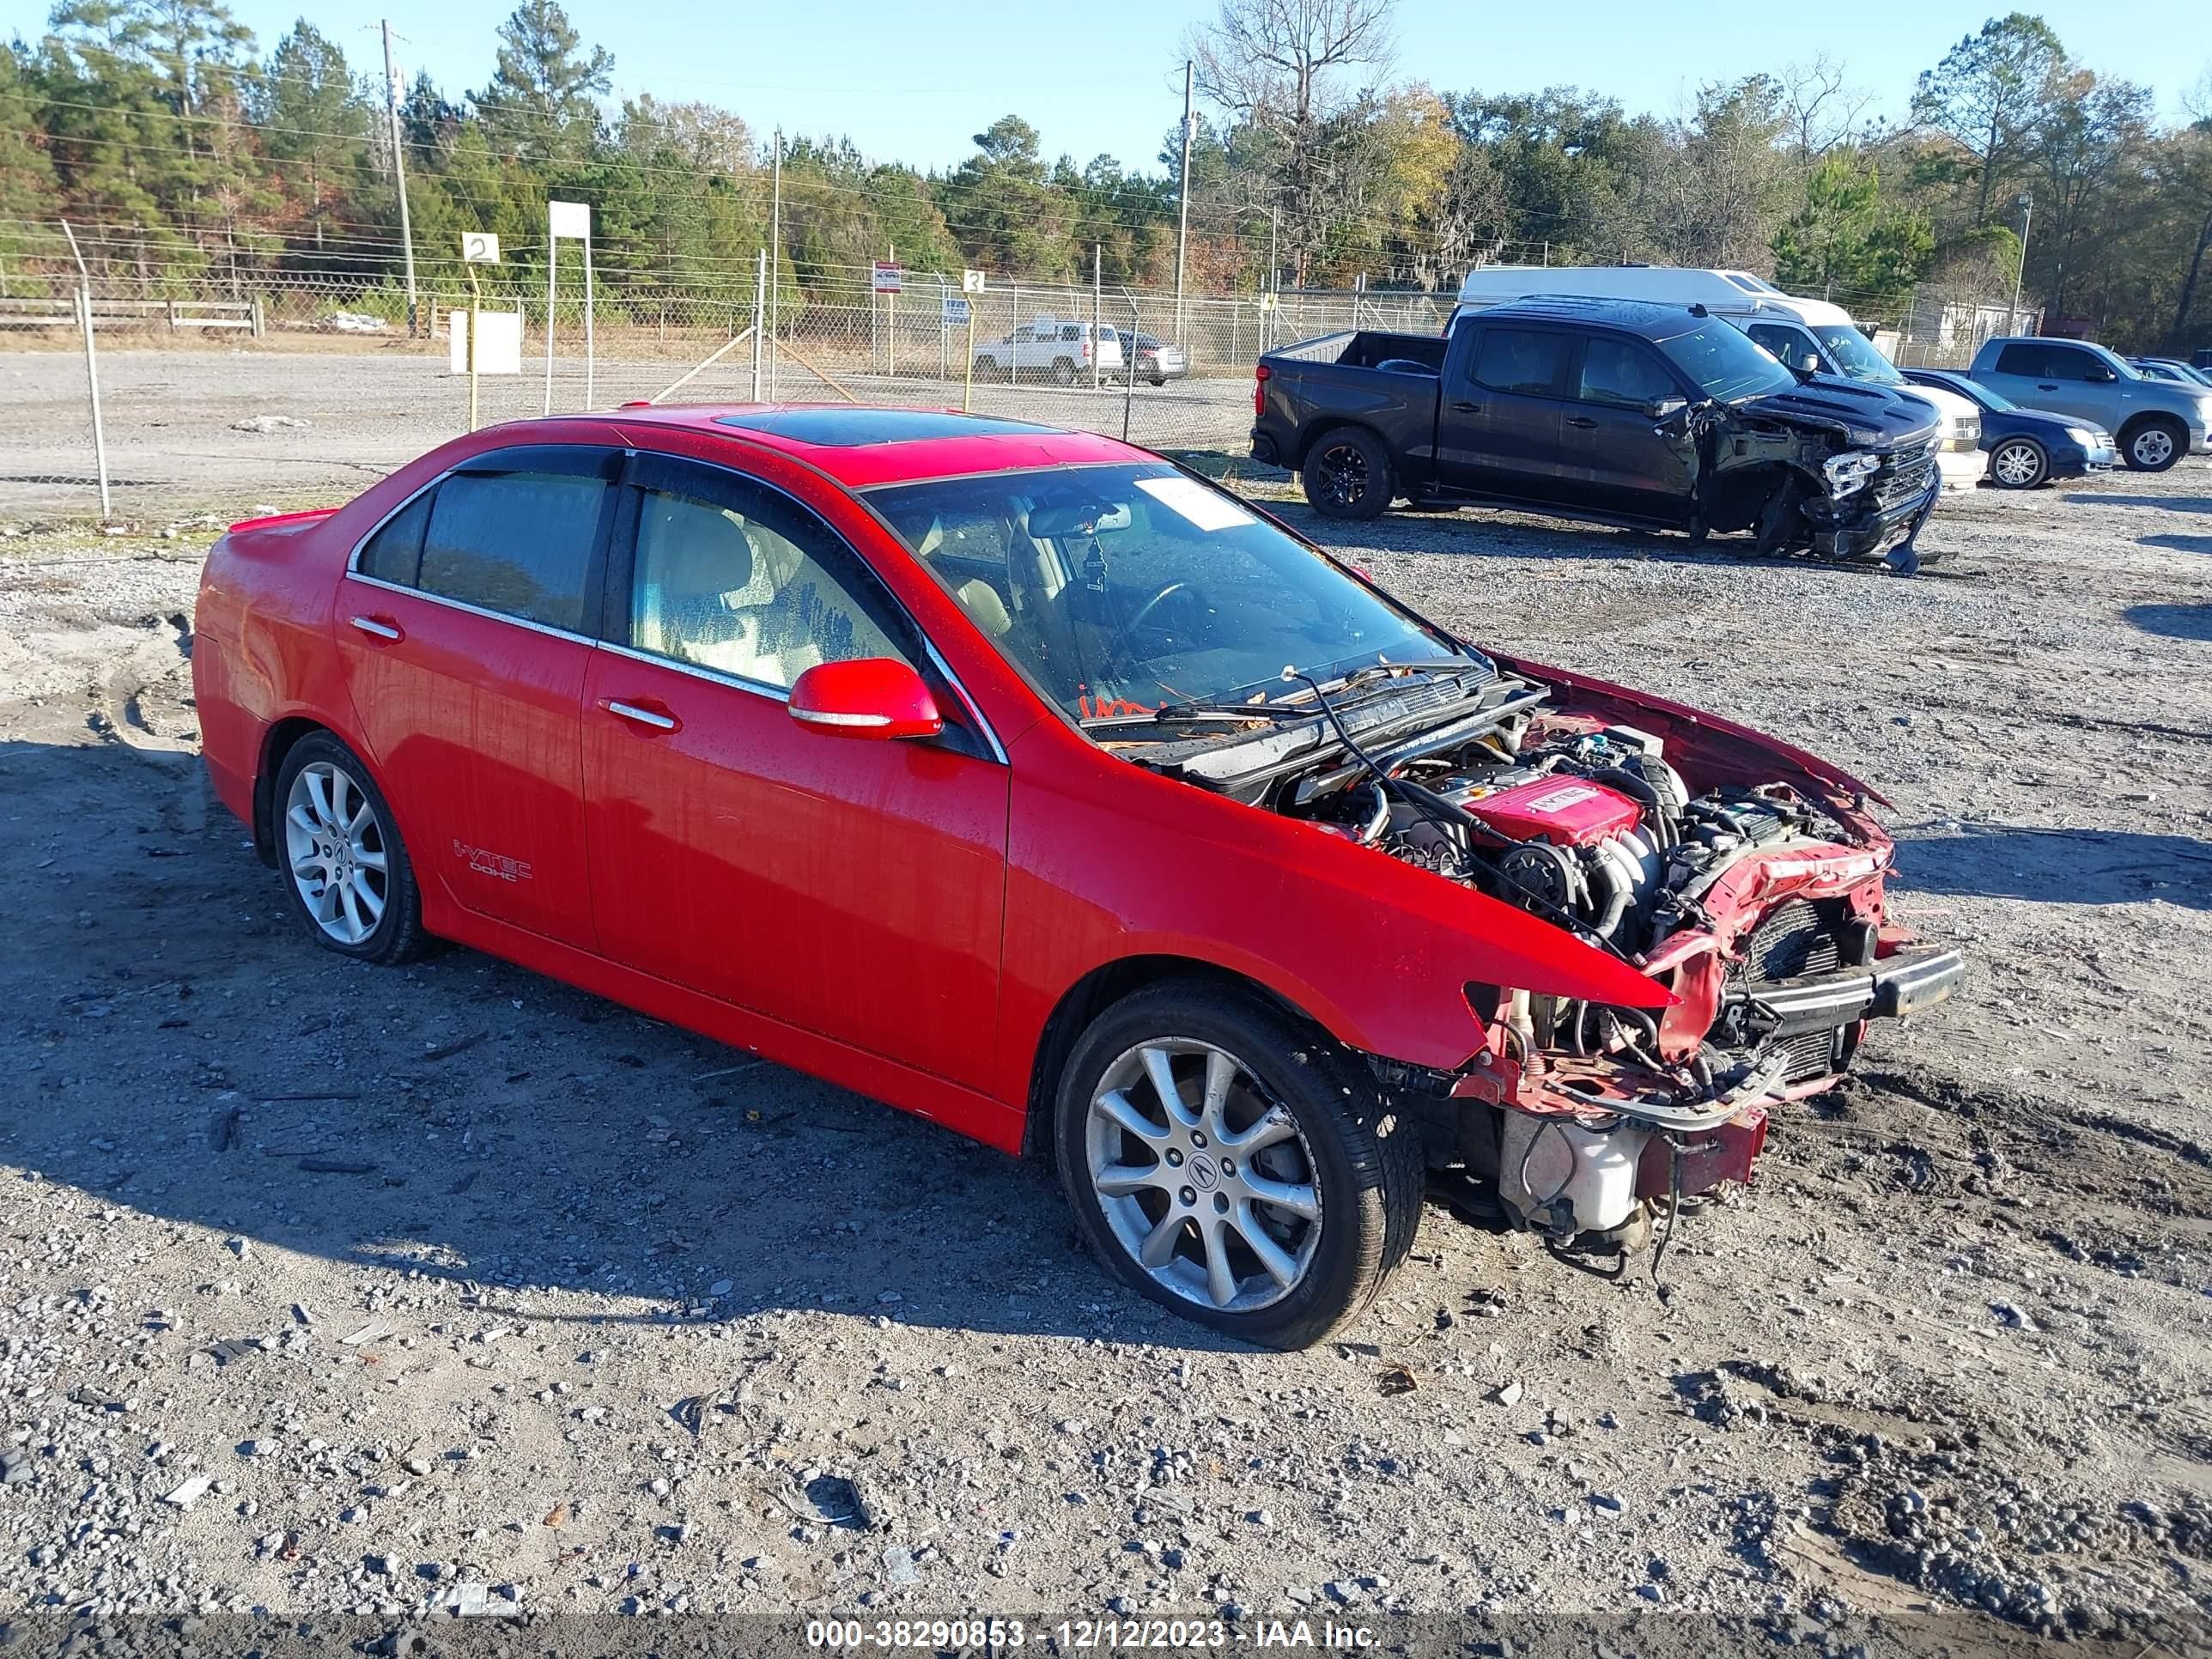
x=1063, y=371
x=1347, y=474
x=985, y=367
x=2018, y=464
x=2154, y=445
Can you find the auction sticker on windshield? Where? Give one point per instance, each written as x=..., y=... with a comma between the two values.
x=1195, y=501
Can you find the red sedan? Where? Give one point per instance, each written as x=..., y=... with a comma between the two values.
x=1026, y=781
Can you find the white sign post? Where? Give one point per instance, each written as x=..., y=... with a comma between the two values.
x=572, y=220
x=478, y=247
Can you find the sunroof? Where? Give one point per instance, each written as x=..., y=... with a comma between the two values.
x=845, y=429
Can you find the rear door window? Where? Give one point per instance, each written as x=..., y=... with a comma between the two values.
x=2030, y=361
x=522, y=541
x=1530, y=361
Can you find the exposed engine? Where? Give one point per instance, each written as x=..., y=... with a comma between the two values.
x=1589, y=826
x=1743, y=880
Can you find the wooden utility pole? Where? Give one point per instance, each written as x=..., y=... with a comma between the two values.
x=399, y=173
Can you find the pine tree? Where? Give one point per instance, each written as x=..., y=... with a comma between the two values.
x=541, y=105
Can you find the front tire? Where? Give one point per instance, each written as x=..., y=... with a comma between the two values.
x=1233, y=1167
x=351, y=882
x=2155, y=446
x=1346, y=474
x=2019, y=463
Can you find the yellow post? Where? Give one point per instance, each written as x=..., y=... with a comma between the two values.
x=967, y=393
x=475, y=297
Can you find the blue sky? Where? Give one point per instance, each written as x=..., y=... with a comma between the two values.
x=912, y=80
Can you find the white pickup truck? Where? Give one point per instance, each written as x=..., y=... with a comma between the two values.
x=1060, y=347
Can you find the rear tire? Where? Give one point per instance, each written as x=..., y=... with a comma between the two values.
x=1346, y=474
x=2019, y=463
x=986, y=368
x=351, y=882
x=1063, y=371
x=2154, y=445
x=1262, y=1105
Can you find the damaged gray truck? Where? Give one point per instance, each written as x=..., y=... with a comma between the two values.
x=1614, y=411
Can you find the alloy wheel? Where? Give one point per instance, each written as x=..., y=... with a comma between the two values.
x=337, y=851
x=1343, y=474
x=2016, y=464
x=1204, y=1179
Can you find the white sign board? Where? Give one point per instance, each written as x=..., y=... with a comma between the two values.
x=570, y=219
x=972, y=282
x=890, y=277
x=955, y=309
x=499, y=345
x=479, y=247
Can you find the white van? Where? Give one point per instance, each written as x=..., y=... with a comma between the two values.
x=1806, y=334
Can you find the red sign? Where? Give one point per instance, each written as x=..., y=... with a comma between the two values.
x=890, y=277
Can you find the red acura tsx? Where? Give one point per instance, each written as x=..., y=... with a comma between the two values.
x=1028, y=781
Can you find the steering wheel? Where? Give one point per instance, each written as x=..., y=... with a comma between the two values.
x=1127, y=631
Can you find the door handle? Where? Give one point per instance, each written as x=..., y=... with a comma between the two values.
x=1581, y=421
x=638, y=715
x=2041, y=387
x=1468, y=408
x=377, y=629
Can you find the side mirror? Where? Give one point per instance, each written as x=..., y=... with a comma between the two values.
x=869, y=697
x=2101, y=375
x=1664, y=408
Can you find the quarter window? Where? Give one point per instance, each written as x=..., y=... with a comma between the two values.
x=1525, y=360
x=517, y=543
x=1616, y=372
x=733, y=578
x=394, y=553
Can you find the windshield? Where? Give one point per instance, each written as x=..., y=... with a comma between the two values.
x=1854, y=355
x=1117, y=590
x=1724, y=362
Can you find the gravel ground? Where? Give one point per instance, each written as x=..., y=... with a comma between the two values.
x=319, y=427
x=331, y=1290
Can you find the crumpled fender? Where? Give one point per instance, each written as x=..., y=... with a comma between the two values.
x=1107, y=862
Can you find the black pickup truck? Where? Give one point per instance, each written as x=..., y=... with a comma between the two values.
x=1613, y=411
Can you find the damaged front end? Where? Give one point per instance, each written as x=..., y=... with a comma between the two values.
x=1740, y=879
x=1839, y=471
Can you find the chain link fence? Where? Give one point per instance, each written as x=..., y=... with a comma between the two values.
x=283, y=386
x=288, y=387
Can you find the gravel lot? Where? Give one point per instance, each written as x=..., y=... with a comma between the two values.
x=327, y=1290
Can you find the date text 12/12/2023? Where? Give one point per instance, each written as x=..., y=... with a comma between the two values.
x=1066, y=1635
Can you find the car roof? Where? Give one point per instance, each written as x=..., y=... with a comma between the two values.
x=861, y=446
x=1642, y=316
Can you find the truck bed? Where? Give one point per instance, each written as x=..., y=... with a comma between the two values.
x=1315, y=383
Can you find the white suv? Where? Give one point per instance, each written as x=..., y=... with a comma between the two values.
x=1057, y=346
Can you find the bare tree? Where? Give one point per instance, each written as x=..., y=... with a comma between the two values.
x=1276, y=65
x=1822, y=107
